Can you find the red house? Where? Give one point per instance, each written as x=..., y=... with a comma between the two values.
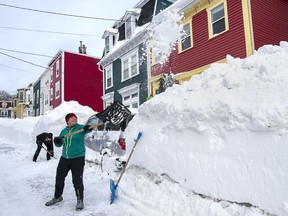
x=216, y=28
x=76, y=76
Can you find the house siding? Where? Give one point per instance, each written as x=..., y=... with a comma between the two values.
x=206, y=51
x=83, y=81
x=270, y=22
x=140, y=78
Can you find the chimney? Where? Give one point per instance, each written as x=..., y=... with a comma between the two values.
x=80, y=47
x=84, y=49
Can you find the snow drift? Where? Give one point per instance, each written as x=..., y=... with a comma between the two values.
x=224, y=133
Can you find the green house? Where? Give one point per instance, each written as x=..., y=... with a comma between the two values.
x=124, y=60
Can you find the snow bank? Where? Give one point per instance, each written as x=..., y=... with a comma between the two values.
x=224, y=133
x=54, y=120
x=16, y=130
x=25, y=130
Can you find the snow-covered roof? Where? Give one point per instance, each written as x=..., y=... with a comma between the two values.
x=109, y=31
x=62, y=51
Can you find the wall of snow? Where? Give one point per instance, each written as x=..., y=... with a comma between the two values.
x=54, y=120
x=225, y=132
x=15, y=131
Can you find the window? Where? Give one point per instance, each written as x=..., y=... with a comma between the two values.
x=108, y=77
x=4, y=113
x=57, y=90
x=218, y=18
x=128, y=25
x=125, y=69
x=130, y=66
x=130, y=95
x=51, y=94
x=107, y=47
x=108, y=99
x=186, y=37
x=21, y=97
x=37, y=96
x=131, y=100
x=57, y=68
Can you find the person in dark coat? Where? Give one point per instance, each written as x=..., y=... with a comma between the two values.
x=47, y=139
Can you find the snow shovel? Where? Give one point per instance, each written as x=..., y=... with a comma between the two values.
x=114, y=186
x=115, y=113
x=48, y=152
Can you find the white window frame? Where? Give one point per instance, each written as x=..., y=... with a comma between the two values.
x=210, y=12
x=21, y=99
x=37, y=96
x=186, y=37
x=108, y=99
x=130, y=95
x=51, y=75
x=107, y=44
x=130, y=62
x=4, y=113
x=57, y=90
x=107, y=69
x=128, y=23
x=57, y=68
x=51, y=94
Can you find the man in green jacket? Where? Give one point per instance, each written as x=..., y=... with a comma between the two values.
x=73, y=158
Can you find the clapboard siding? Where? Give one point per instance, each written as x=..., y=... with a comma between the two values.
x=270, y=21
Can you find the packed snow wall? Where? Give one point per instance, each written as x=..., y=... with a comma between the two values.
x=224, y=133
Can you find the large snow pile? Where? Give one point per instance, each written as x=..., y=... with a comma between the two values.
x=224, y=133
x=54, y=120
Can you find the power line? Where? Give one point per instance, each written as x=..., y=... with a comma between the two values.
x=18, y=69
x=23, y=60
x=26, y=53
x=52, y=32
x=56, y=13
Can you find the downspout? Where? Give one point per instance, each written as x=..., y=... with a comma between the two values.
x=103, y=86
x=62, y=77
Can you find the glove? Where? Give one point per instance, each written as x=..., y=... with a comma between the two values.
x=86, y=128
x=58, y=140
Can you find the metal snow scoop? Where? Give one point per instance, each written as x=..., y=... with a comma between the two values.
x=115, y=113
x=114, y=186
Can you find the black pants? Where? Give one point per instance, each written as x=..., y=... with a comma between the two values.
x=76, y=165
x=49, y=147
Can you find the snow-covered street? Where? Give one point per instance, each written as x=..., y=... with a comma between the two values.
x=26, y=186
x=216, y=145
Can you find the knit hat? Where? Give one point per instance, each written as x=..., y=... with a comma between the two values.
x=70, y=115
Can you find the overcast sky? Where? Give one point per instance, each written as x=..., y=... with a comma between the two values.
x=14, y=39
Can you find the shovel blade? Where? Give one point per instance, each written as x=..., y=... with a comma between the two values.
x=113, y=188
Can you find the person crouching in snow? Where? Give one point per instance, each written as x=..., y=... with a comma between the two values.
x=72, y=158
x=47, y=139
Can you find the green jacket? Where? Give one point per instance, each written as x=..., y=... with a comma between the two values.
x=73, y=146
